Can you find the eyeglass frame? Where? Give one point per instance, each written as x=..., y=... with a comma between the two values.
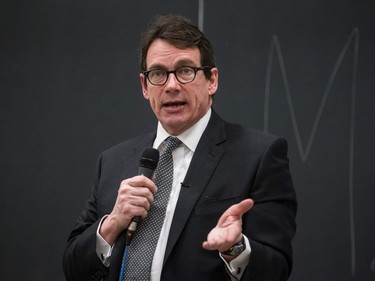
x=168, y=72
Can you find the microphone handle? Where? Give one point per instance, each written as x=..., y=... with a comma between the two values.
x=147, y=172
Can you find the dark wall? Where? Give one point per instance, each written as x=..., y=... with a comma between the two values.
x=69, y=89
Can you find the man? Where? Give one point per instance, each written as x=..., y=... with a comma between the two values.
x=231, y=211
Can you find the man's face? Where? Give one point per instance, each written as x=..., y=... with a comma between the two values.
x=178, y=106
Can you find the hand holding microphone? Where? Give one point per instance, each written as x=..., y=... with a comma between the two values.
x=131, y=199
x=147, y=164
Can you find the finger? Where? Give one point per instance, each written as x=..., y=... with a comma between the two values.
x=207, y=246
x=133, y=193
x=140, y=181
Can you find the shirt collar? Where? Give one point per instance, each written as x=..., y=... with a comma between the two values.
x=190, y=137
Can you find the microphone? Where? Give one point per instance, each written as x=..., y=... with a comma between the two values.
x=148, y=162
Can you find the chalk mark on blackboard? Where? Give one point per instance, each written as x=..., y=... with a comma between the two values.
x=200, y=14
x=304, y=153
x=372, y=266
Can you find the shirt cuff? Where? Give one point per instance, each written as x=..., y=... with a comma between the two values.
x=237, y=266
x=103, y=249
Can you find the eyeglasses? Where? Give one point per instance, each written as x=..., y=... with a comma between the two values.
x=183, y=74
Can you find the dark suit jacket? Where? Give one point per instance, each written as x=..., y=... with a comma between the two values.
x=231, y=163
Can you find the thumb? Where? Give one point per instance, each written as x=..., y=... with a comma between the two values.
x=236, y=211
x=243, y=207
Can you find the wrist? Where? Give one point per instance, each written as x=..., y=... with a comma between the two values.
x=236, y=249
x=109, y=230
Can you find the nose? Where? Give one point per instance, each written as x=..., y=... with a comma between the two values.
x=172, y=82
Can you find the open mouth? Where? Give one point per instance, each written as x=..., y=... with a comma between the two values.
x=174, y=104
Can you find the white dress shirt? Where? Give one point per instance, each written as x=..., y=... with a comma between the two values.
x=182, y=156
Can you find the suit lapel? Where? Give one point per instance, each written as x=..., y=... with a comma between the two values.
x=203, y=164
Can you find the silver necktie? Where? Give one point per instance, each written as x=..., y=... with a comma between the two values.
x=143, y=245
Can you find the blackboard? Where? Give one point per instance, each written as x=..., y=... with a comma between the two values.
x=69, y=89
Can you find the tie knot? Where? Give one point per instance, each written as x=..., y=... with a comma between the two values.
x=171, y=143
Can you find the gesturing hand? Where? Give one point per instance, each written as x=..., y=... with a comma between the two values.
x=228, y=230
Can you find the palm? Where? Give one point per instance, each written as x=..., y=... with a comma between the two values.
x=228, y=230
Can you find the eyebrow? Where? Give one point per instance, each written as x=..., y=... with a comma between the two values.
x=184, y=62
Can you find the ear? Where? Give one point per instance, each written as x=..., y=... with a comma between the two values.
x=143, y=81
x=213, y=81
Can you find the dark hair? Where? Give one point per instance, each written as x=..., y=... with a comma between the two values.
x=180, y=32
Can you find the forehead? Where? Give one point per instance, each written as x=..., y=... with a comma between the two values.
x=162, y=53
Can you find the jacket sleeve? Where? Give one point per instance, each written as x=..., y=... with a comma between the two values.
x=80, y=261
x=270, y=225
